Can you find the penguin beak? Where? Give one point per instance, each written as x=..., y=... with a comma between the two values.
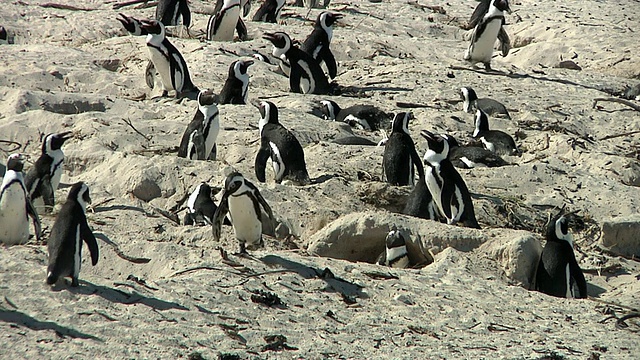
x=427, y=135
x=64, y=136
x=269, y=36
x=248, y=62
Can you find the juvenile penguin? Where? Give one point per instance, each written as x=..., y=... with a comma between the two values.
x=495, y=141
x=203, y=129
x=281, y=146
x=468, y=157
x=169, y=12
x=235, y=89
x=222, y=24
x=400, y=155
x=168, y=61
x=317, y=43
x=396, y=255
x=491, y=107
x=269, y=11
x=485, y=34
x=43, y=178
x=306, y=76
x=15, y=206
x=366, y=117
x=448, y=189
x=478, y=14
x=245, y=205
x=67, y=233
x=558, y=271
x=420, y=202
x=200, y=206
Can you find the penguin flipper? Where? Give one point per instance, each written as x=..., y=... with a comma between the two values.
x=90, y=239
x=505, y=44
x=294, y=79
x=150, y=74
x=241, y=28
x=578, y=276
x=478, y=13
x=213, y=153
x=447, y=195
x=219, y=216
x=265, y=206
x=186, y=14
x=327, y=56
x=36, y=219
x=417, y=162
x=261, y=160
x=47, y=191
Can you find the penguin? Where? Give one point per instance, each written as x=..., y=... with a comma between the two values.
x=134, y=27
x=420, y=202
x=168, y=61
x=261, y=57
x=485, y=34
x=235, y=89
x=317, y=43
x=495, y=141
x=245, y=205
x=478, y=14
x=43, y=178
x=206, y=126
x=489, y=106
x=222, y=24
x=468, y=157
x=366, y=117
x=67, y=233
x=448, y=189
x=281, y=146
x=306, y=76
x=558, y=271
x=269, y=11
x=15, y=205
x=200, y=206
x=400, y=155
x=4, y=37
x=395, y=255
x=168, y=12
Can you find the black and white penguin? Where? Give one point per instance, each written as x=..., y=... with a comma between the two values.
x=281, y=146
x=420, y=202
x=168, y=61
x=478, y=14
x=448, y=189
x=396, y=255
x=306, y=76
x=262, y=57
x=169, y=12
x=400, y=155
x=366, y=117
x=200, y=206
x=203, y=129
x=468, y=157
x=491, y=107
x=67, y=233
x=485, y=34
x=558, y=271
x=43, y=178
x=222, y=24
x=4, y=37
x=317, y=43
x=245, y=205
x=269, y=11
x=132, y=25
x=15, y=206
x=235, y=89
x=496, y=141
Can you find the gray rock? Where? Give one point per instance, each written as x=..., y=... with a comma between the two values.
x=622, y=235
x=517, y=253
x=146, y=190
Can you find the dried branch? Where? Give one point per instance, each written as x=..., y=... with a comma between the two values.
x=128, y=122
x=128, y=3
x=616, y=100
x=64, y=7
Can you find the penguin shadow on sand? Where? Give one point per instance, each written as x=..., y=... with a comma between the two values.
x=21, y=319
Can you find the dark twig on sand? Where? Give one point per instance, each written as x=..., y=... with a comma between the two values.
x=128, y=3
x=64, y=7
x=620, y=135
x=435, y=8
x=128, y=122
x=616, y=100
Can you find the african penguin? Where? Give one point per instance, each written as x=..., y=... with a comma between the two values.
x=478, y=14
x=317, y=43
x=306, y=76
x=366, y=117
x=43, y=178
x=200, y=206
x=269, y=11
x=4, y=37
x=169, y=12
x=132, y=25
x=168, y=61
x=496, y=141
x=245, y=205
x=261, y=57
x=67, y=233
x=447, y=187
x=558, y=271
x=468, y=157
x=400, y=155
x=235, y=89
x=222, y=24
x=485, y=34
x=206, y=122
x=420, y=202
x=396, y=255
x=489, y=106
x=15, y=205
x=281, y=146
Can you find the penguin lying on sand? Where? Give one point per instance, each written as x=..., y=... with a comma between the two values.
x=495, y=141
x=468, y=157
x=366, y=117
x=395, y=255
x=491, y=107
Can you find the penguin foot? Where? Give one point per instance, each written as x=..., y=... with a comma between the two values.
x=74, y=282
x=487, y=66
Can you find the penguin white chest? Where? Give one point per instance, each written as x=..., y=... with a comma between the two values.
x=434, y=183
x=482, y=49
x=14, y=223
x=211, y=134
x=246, y=224
x=56, y=169
x=77, y=258
x=161, y=63
x=227, y=24
x=307, y=82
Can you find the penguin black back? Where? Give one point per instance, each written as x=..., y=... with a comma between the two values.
x=43, y=178
x=318, y=42
x=468, y=157
x=169, y=11
x=493, y=140
x=269, y=11
x=400, y=155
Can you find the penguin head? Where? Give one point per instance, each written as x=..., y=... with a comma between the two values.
x=438, y=147
x=238, y=68
x=330, y=109
x=502, y=5
x=469, y=97
x=53, y=142
x=15, y=162
x=131, y=24
x=326, y=19
x=233, y=183
x=394, y=239
x=204, y=189
x=481, y=122
x=207, y=97
x=268, y=114
x=79, y=193
x=281, y=42
x=400, y=122
x=261, y=57
x=153, y=27
x=453, y=143
x=558, y=229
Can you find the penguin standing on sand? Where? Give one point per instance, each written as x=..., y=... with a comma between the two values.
x=15, y=206
x=478, y=14
x=169, y=13
x=491, y=107
x=67, y=233
x=317, y=43
x=485, y=34
x=245, y=205
x=168, y=61
x=269, y=11
x=558, y=271
x=222, y=24
x=400, y=155
x=306, y=76
x=199, y=139
x=43, y=178
x=281, y=146
x=468, y=157
x=395, y=255
x=134, y=27
x=495, y=141
x=235, y=89
x=448, y=189
x=366, y=117
x=200, y=206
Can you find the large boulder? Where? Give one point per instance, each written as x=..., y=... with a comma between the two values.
x=621, y=235
x=517, y=254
